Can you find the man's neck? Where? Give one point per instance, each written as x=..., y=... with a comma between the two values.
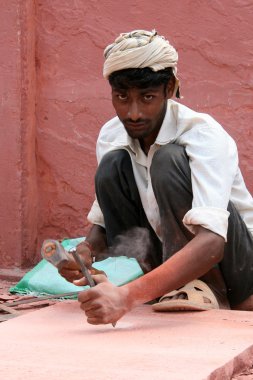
x=145, y=147
x=146, y=142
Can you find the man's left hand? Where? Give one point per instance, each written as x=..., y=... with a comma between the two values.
x=104, y=303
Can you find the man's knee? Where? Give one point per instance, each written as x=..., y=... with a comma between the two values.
x=170, y=160
x=110, y=165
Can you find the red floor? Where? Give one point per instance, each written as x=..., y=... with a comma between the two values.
x=57, y=343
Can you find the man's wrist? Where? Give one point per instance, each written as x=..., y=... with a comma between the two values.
x=90, y=248
x=130, y=302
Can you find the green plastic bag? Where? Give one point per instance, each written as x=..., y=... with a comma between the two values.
x=45, y=279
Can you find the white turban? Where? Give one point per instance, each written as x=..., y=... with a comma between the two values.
x=139, y=49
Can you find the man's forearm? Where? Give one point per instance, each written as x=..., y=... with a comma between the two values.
x=191, y=262
x=97, y=239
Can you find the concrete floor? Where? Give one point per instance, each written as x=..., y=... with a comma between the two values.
x=57, y=343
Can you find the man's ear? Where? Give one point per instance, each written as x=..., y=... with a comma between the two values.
x=170, y=88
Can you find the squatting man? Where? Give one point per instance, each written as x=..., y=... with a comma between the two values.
x=173, y=172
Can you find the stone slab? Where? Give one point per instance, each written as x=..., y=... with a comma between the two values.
x=57, y=343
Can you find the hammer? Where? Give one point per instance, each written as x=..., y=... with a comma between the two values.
x=55, y=253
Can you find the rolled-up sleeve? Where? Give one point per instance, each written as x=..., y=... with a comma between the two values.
x=213, y=160
x=95, y=215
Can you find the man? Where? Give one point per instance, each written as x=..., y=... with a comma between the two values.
x=174, y=173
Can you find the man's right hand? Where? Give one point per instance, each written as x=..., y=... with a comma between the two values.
x=70, y=270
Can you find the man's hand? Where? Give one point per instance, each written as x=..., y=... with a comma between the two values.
x=105, y=303
x=71, y=270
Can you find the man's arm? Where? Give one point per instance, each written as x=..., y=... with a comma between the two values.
x=97, y=239
x=106, y=303
x=191, y=262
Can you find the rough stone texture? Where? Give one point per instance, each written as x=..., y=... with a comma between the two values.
x=58, y=343
x=214, y=40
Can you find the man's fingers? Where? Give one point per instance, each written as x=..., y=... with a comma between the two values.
x=99, y=278
x=90, y=307
x=71, y=263
x=93, y=321
x=95, y=316
x=96, y=321
x=85, y=254
x=70, y=275
x=81, y=282
x=70, y=272
x=102, y=303
x=84, y=296
x=94, y=271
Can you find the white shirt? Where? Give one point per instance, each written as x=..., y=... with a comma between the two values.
x=213, y=159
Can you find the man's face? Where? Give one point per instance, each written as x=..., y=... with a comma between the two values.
x=141, y=110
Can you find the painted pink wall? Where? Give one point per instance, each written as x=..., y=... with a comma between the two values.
x=214, y=41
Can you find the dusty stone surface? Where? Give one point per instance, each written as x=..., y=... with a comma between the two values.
x=57, y=342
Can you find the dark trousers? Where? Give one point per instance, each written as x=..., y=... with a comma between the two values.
x=129, y=232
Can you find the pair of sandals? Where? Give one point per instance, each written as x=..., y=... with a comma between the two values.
x=196, y=294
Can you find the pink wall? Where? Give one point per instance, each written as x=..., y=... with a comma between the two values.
x=18, y=178
x=214, y=41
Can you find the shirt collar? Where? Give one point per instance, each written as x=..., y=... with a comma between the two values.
x=168, y=128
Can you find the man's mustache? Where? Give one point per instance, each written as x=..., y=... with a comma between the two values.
x=130, y=121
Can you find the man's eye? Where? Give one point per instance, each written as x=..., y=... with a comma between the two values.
x=122, y=97
x=148, y=97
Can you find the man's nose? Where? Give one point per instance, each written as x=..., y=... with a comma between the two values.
x=134, y=111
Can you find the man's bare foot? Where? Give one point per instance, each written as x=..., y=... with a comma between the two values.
x=221, y=297
x=214, y=279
